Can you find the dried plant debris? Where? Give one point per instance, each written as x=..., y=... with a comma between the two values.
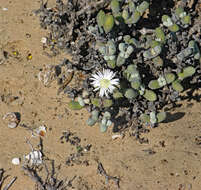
x=69, y=79
x=35, y=157
x=36, y=166
x=50, y=182
x=2, y=179
x=68, y=136
x=78, y=157
x=3, y=56
x=131, y=69
x=67, y=23
x=102, y=171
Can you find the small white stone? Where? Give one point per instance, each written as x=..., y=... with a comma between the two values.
x=117, y=136
x=16, y=161
x=4, y=9
x=87, y=101
x=44, y=40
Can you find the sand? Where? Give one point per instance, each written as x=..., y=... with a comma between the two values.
x=170, y=161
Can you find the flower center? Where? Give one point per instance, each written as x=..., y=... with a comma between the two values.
x=104, y=83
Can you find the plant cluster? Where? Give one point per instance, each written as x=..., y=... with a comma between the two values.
x=137, y=70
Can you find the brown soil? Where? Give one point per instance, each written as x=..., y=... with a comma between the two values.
x=171, y=159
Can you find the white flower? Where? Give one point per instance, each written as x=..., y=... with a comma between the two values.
x=104, y=82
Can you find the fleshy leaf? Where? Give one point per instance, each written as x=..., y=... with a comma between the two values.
x=115, y=7
x=174, y=28
x=74, y=105
x=134, y=18
x=161, y=117
x=111, y=63
x=160, y=35
x=170, y=77
x=100, y=18
x=187, y=72
x=143, y=7
x=176, y=85
x=103, y=128
x=108, y=23
x=186, y=19
x=96, y=102
x=158, y=62
x=145, y=118
x=107, y=103
x=136, y=84
x=117, y=94
x=150, y=95
x=120, y=61
x=131, y=93
x=153, y=84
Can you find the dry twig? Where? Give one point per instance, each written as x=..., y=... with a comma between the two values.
x=102, y=171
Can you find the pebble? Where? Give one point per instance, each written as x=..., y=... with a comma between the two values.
x=117, y=136
x=16, y=161
x=87, y=101
x=44, y=40
x=4, y=9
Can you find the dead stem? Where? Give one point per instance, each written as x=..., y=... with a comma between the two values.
x=102, y=171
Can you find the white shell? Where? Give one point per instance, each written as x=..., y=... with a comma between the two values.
x=44, y=40
x=47, y=75
x=12, y=125
x=4, y=9
x=11, y=119
x=117, y=136
x=34, y=157
x=16, y=161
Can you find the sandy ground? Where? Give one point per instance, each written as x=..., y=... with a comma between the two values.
x=170, y=161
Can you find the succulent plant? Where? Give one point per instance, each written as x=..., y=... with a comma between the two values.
x=151, y=65
x=115, y=7
x=196, y=51
x=162, y=81
x=107, y=103
x=160, y=35
x=132, y=12
x=153, y=118
x=117, y=94
x=176, y=85
x=100, y=18
x=105, y=122
x=96, y=102
x=150, y=95
x=187, y=72
x=105, y=21
x=81, y=101
x=108, y=50
x=158, y=62
x=142, y=7
x=167, y=21
x=131, y=73
x=130, y=93
x=152, y=52
x=74, y=105
x=182, y=15
x=93, y=118
x=185, y=53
